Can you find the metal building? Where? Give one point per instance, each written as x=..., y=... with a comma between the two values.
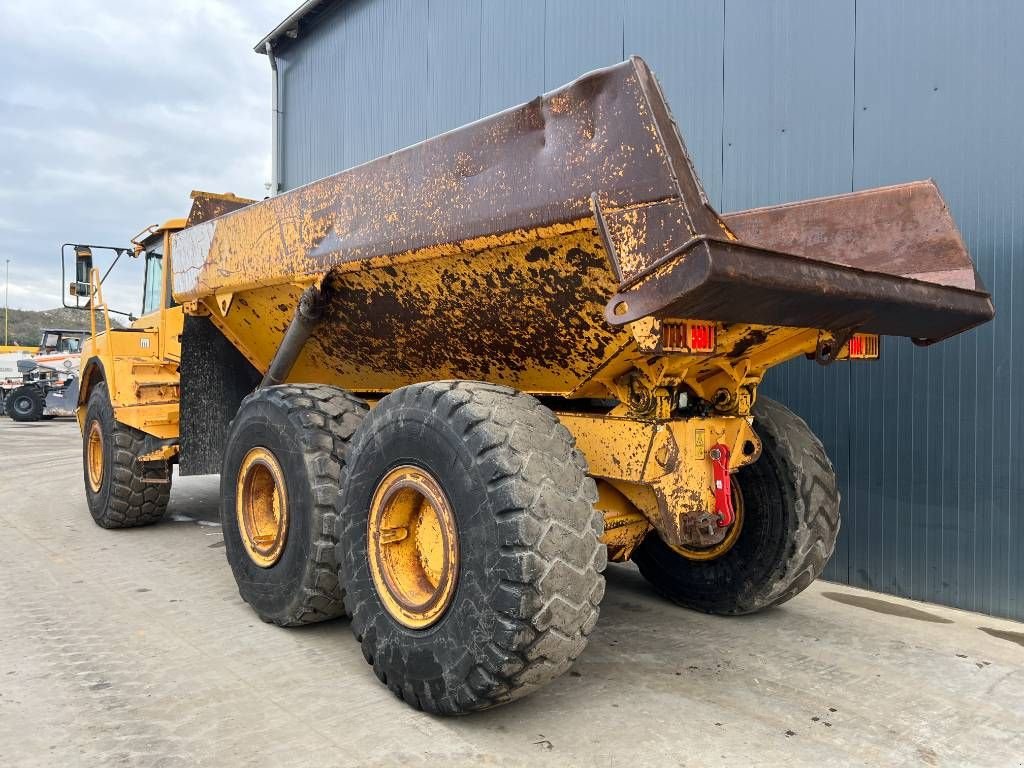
x=777, y=101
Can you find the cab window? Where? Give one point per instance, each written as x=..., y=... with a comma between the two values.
x=154, y=280
x=50, y=342
x=71, y=345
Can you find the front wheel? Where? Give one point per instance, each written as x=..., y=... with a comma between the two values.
x=26, y=403
x=789, y=508
x=118, y=494
x=468, y=544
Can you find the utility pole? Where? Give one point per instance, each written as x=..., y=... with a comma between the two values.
x=7, y=293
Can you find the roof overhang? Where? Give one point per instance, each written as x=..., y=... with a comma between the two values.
x=290, y=28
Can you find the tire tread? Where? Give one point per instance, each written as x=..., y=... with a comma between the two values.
x=326, y=417
x=539, y=490
x=799, y=457
x=132, y=502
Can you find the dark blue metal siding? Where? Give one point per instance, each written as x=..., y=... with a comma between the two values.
x=954, y=113
x=777, y=101
x=686, y=38
x=924, y=440
x=511, y=53
x=453, y=64
x=580, y=35
x=788, y=101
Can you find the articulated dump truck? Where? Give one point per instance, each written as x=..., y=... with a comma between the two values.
x=444, y=388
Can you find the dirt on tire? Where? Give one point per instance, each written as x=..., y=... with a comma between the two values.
x=308, y=427
x=791, y=521
x=124, y=498
x=530, y=573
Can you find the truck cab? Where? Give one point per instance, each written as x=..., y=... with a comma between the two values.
x=60, y=343
x=137, y=363
x=129, y=394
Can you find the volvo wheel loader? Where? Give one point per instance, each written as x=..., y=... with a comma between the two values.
x=443, y=388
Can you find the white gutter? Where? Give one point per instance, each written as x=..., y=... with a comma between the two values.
x=275, y=124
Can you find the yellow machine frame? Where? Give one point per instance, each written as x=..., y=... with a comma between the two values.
x=139, y=363
x=652, y=468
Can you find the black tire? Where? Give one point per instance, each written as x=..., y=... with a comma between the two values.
x=530, y=566
x=791, y=520
x=26, y=403
x=307, y=427
x=124, y=499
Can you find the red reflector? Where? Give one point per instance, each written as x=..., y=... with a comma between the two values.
x=701, y=337
x=688, y=337
x=863, y=346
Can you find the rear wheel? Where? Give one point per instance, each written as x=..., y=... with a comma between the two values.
x=788, y=506
x=468, y=545
x=284, y=465
x=117, y=494
x=26, y=403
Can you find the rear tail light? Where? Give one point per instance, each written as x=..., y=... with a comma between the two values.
x=688, y=337
x=863, y=346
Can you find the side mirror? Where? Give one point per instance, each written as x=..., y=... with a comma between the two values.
x=83, y=271
x=80, y=287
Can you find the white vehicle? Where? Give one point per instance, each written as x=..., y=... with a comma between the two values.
x=45, y=384
x=10, y=376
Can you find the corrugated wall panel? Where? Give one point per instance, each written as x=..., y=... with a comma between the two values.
x=788, y=134
x=453, y=64
x=385, y=64
x=939, y=93
x=311, y=133
x=777, y=101
x=403, y=61
x=511, y=53
x=788, y=100
x=362, y=31
x=683, y=41
x=580, y=35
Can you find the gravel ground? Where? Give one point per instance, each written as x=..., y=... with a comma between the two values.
x=133, y=648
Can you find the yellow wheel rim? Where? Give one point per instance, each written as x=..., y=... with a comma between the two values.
x=719, y=549
x=94, y=456
x=413, y=547
x=261, y=505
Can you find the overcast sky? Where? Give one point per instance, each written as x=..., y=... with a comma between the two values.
x=111, y=113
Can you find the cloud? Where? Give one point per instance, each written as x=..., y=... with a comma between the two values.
x=111, y=113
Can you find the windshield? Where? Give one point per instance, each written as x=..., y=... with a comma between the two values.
x=154, y=280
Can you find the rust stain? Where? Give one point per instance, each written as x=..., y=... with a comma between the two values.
x=546, y=248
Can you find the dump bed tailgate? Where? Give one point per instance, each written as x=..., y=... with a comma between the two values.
x=887, y=261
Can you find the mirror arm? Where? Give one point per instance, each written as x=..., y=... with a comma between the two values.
x=113, y=264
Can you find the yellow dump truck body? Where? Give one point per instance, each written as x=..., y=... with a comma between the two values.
x=519, y=249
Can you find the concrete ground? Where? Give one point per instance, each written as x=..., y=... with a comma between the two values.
x=133, y=648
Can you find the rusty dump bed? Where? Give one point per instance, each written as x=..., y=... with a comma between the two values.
x=516, y=249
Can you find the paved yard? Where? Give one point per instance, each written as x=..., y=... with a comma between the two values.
x=133, y=648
